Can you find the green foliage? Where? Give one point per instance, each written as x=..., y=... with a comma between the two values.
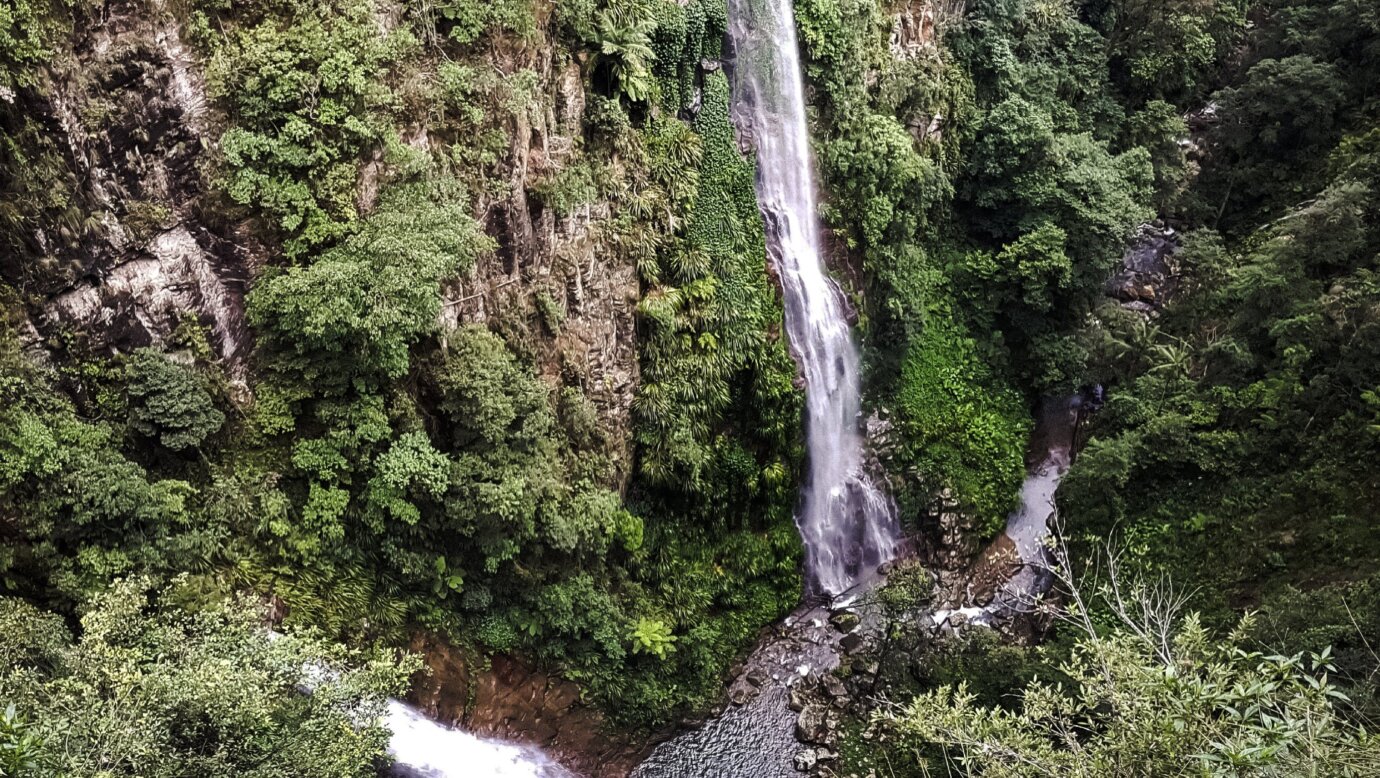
x=28, y=31
x=303, y=97
x=653, y=636
x=150, y=689
x=620, y=34
x=957, y=426
x=466, y=21
x=888, y=181
x=1300, y=81
x=1158, y=129
x=568, y=189
x=491, y=399
x=349, y=318
x=1168, y=51
x=1191, y=707
x=1232, y=452
x=169, y=401
x=80, y=510
x=1028, y=177
x=711, y=319
x=1284, y=110
x=19, y=746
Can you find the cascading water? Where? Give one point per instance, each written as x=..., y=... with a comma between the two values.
x=848, y=525
x=422, y=748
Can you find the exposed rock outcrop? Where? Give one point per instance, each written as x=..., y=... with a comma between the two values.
x=126, y=109
x=506, y=698
x=1147, y=278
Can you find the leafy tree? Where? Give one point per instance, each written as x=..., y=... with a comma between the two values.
x=302, y=93
x=349, y=319
x=1194, y=706
x=169, y=401
x=1168, y=50
x=1275, y=125
x=490, y=397
x=148, y=688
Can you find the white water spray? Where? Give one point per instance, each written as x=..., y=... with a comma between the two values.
x=848, y=525
x=422, y=748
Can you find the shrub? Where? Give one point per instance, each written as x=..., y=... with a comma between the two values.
x=169, y=401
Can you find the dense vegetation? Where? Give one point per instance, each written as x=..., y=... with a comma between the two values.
x=385, y=466
x=151, y=688
x=390, y=474
x=1233, y=454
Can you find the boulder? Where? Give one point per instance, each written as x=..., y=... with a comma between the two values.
x=813, y=725
x=844, y=621
x=832, y=687
x=851, y=642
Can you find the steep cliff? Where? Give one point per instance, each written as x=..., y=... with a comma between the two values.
x=447, y=319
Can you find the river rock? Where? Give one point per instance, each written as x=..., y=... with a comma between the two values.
x=806, y=760
x=814, y=725
x=1147, y=277
x=844, y=621
x=832, y=687
x=851, y=642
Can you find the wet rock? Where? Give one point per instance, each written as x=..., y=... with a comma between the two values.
x=814, y=725
x=851, y=642
x=806, y=760
x=798, y=699
x=844, y=621
x=740, y=695
x=756, y=677
x=832, y=687
x=1147, y=277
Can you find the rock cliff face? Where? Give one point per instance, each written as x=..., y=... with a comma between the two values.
x=556, y=269
x=137, y=244
x=505, y=698
x=136, y=249
x=134, y=244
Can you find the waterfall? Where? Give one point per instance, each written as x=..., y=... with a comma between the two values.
x=846, y=522
x=422, y=748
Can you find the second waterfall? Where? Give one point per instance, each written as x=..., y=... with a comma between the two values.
x=847, y=523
